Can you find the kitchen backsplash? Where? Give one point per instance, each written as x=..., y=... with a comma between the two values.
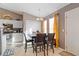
x=14, y=30
x=8, y=28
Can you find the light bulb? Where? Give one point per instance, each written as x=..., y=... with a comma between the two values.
x=37, y=19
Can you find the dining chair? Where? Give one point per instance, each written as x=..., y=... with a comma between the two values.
x=27, y=41
x=50, y=41
x=39, y=42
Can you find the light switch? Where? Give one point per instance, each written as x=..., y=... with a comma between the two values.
x=62, y=30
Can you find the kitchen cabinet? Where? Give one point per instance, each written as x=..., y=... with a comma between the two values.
x=16, y=24
x=17, y=38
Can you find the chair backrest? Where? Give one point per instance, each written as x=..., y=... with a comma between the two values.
x=40, y=37
x=51, y=36
x=25, y=37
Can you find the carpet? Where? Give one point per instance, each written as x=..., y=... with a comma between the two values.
x=8, y=52
x=65, y=53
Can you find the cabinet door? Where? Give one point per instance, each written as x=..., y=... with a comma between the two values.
x=17, y=24
x=18, y=38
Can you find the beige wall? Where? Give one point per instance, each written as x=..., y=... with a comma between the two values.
x=27, y=16
x=13, y=15
x=61, y=21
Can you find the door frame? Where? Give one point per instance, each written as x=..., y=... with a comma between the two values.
x=65, y=31
x=69, y=47
x=66, y=34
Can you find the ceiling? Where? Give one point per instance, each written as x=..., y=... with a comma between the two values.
x=36, y=9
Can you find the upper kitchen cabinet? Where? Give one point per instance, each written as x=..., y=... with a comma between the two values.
x=16, y=24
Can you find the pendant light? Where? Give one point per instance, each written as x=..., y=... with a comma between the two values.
x=39, y=18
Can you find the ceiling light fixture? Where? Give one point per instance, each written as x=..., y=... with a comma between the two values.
x=39, y=18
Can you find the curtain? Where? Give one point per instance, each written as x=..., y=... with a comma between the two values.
x=56, y=29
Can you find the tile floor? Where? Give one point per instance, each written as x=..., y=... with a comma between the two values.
x=19, y=51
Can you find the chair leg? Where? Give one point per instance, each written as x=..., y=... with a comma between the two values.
x=33, y=46
x=33, y=49
x=36, y=50
x=25, y=47
x=32, y=43
x=25, y=50
x=47, y=49
x=53, y=49
x=40, y=48
x=44, y=49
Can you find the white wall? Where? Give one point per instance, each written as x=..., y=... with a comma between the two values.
x=27, y=17
x=29, y=21
x=33, y=25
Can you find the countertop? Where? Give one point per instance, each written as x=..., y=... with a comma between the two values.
x=11, y=32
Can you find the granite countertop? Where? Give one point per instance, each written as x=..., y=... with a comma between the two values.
x=11, y=32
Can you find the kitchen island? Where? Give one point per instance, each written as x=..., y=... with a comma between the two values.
x=11, y=40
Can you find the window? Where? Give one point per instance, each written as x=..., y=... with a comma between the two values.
x=45, y=26
x=51, y=23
